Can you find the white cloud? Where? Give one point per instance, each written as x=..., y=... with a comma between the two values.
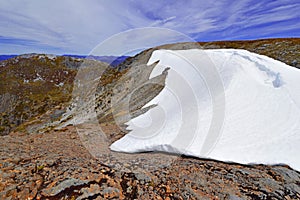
x=78, y=26
x=128, y=42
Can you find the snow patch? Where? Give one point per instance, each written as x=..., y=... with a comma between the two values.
x=272, y=76
x=261, y=123
x=60, y=84
x=38, y=78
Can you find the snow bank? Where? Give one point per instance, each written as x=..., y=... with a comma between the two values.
x=228, y=105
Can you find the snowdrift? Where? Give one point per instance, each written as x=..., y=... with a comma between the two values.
x=229, y=105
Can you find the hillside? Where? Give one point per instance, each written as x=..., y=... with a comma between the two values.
x=38, y=160
x=32, y=85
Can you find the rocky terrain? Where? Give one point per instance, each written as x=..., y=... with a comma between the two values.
x=41, y=161
x=56, y=165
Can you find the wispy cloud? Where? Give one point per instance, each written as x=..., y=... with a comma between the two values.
x=78, y=26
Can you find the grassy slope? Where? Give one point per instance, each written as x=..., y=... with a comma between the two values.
x=30, y=86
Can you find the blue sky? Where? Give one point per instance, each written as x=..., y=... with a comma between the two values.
x=77, y=26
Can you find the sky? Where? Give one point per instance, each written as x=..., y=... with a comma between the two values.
x=78, y=26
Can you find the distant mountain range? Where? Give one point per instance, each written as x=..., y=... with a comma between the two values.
x=112, y=60
x=6, y=57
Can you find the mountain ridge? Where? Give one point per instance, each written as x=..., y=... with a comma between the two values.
x=112, y=60
x=41, y=161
